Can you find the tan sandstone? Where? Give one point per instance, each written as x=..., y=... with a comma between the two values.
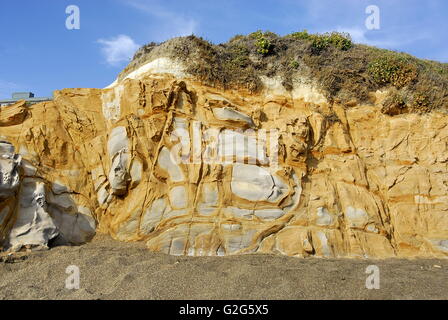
x=193, y=170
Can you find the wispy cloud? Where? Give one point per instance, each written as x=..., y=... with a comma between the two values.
x=400, y=28
x=8, y=87
x=360, y=35
x=118, y=49
x=172, y=24
x=389, y=40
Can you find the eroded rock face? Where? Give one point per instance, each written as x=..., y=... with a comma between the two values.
x=192, y=170
x=33, y=225
x=9, y=170
x=34, y=211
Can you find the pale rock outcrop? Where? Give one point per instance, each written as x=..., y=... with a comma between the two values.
x=119, y=176
x=254, y=183
x=35, y=211
x=227, y=113
x=33, y=225
x=9, y=170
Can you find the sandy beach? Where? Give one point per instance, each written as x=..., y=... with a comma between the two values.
x=116, y=270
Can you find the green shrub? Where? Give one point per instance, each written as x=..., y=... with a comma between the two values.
x=256, y=35
x=302, y=35
x=262, y=43
x=319, y=42
x=392, y=69
x=263, y=46
x=341, y=41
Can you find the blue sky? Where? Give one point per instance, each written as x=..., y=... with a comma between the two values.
x=38, y=53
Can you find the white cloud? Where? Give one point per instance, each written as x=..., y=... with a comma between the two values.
x=7, y=88
x=171, y=24
x=360, y=35
x=118, y=49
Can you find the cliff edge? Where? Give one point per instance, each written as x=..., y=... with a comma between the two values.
x=303, y=145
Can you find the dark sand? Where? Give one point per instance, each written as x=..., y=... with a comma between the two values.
x=116, y=270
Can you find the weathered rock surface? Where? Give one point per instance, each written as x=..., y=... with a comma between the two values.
x=193, y=170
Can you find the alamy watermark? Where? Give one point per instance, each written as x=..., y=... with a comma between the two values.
x=373, y=280
x=373, y=20
x=73, y=21
x=73, y=280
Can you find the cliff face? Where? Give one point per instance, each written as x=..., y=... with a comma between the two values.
x=193, y=170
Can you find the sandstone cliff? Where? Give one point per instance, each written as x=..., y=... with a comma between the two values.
x=192, y=169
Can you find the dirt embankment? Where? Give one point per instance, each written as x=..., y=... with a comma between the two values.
x=346, y=72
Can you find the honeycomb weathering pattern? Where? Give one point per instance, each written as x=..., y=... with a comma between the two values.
x=133, y=161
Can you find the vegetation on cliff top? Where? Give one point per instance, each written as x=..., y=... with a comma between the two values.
x=344, y=71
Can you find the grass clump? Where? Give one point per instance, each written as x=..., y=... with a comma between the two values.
x=320, y=42
x=421, y=102
x=341, y=41
x=294, y=64
x=300, y=35
x=394, y=104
